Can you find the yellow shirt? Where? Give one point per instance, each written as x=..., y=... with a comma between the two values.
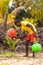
x=28, y=29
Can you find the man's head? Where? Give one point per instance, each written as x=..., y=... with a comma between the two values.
x=17, y=22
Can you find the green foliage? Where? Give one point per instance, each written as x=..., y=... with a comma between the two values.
x=3, y=7
x=8, y=54
x=8, y=39
x=11, y=43
x=34, y=7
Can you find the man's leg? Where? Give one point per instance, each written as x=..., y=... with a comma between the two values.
x=27, y=46
x=33, y=54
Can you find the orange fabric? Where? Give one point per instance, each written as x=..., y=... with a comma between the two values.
x=30, y=37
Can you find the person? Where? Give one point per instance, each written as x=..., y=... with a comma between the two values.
x=27, y=32
x=32, y=34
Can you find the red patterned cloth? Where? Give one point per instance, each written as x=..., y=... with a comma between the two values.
x=11, y=33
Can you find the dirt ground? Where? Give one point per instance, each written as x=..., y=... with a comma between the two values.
x=20, y=60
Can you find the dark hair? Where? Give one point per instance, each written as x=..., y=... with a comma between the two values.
x=16, y=20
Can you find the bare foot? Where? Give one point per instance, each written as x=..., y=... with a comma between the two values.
x=25, y=56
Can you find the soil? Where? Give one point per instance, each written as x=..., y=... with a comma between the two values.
x=20, y=60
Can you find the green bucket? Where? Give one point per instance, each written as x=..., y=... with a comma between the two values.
x=36, y=47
